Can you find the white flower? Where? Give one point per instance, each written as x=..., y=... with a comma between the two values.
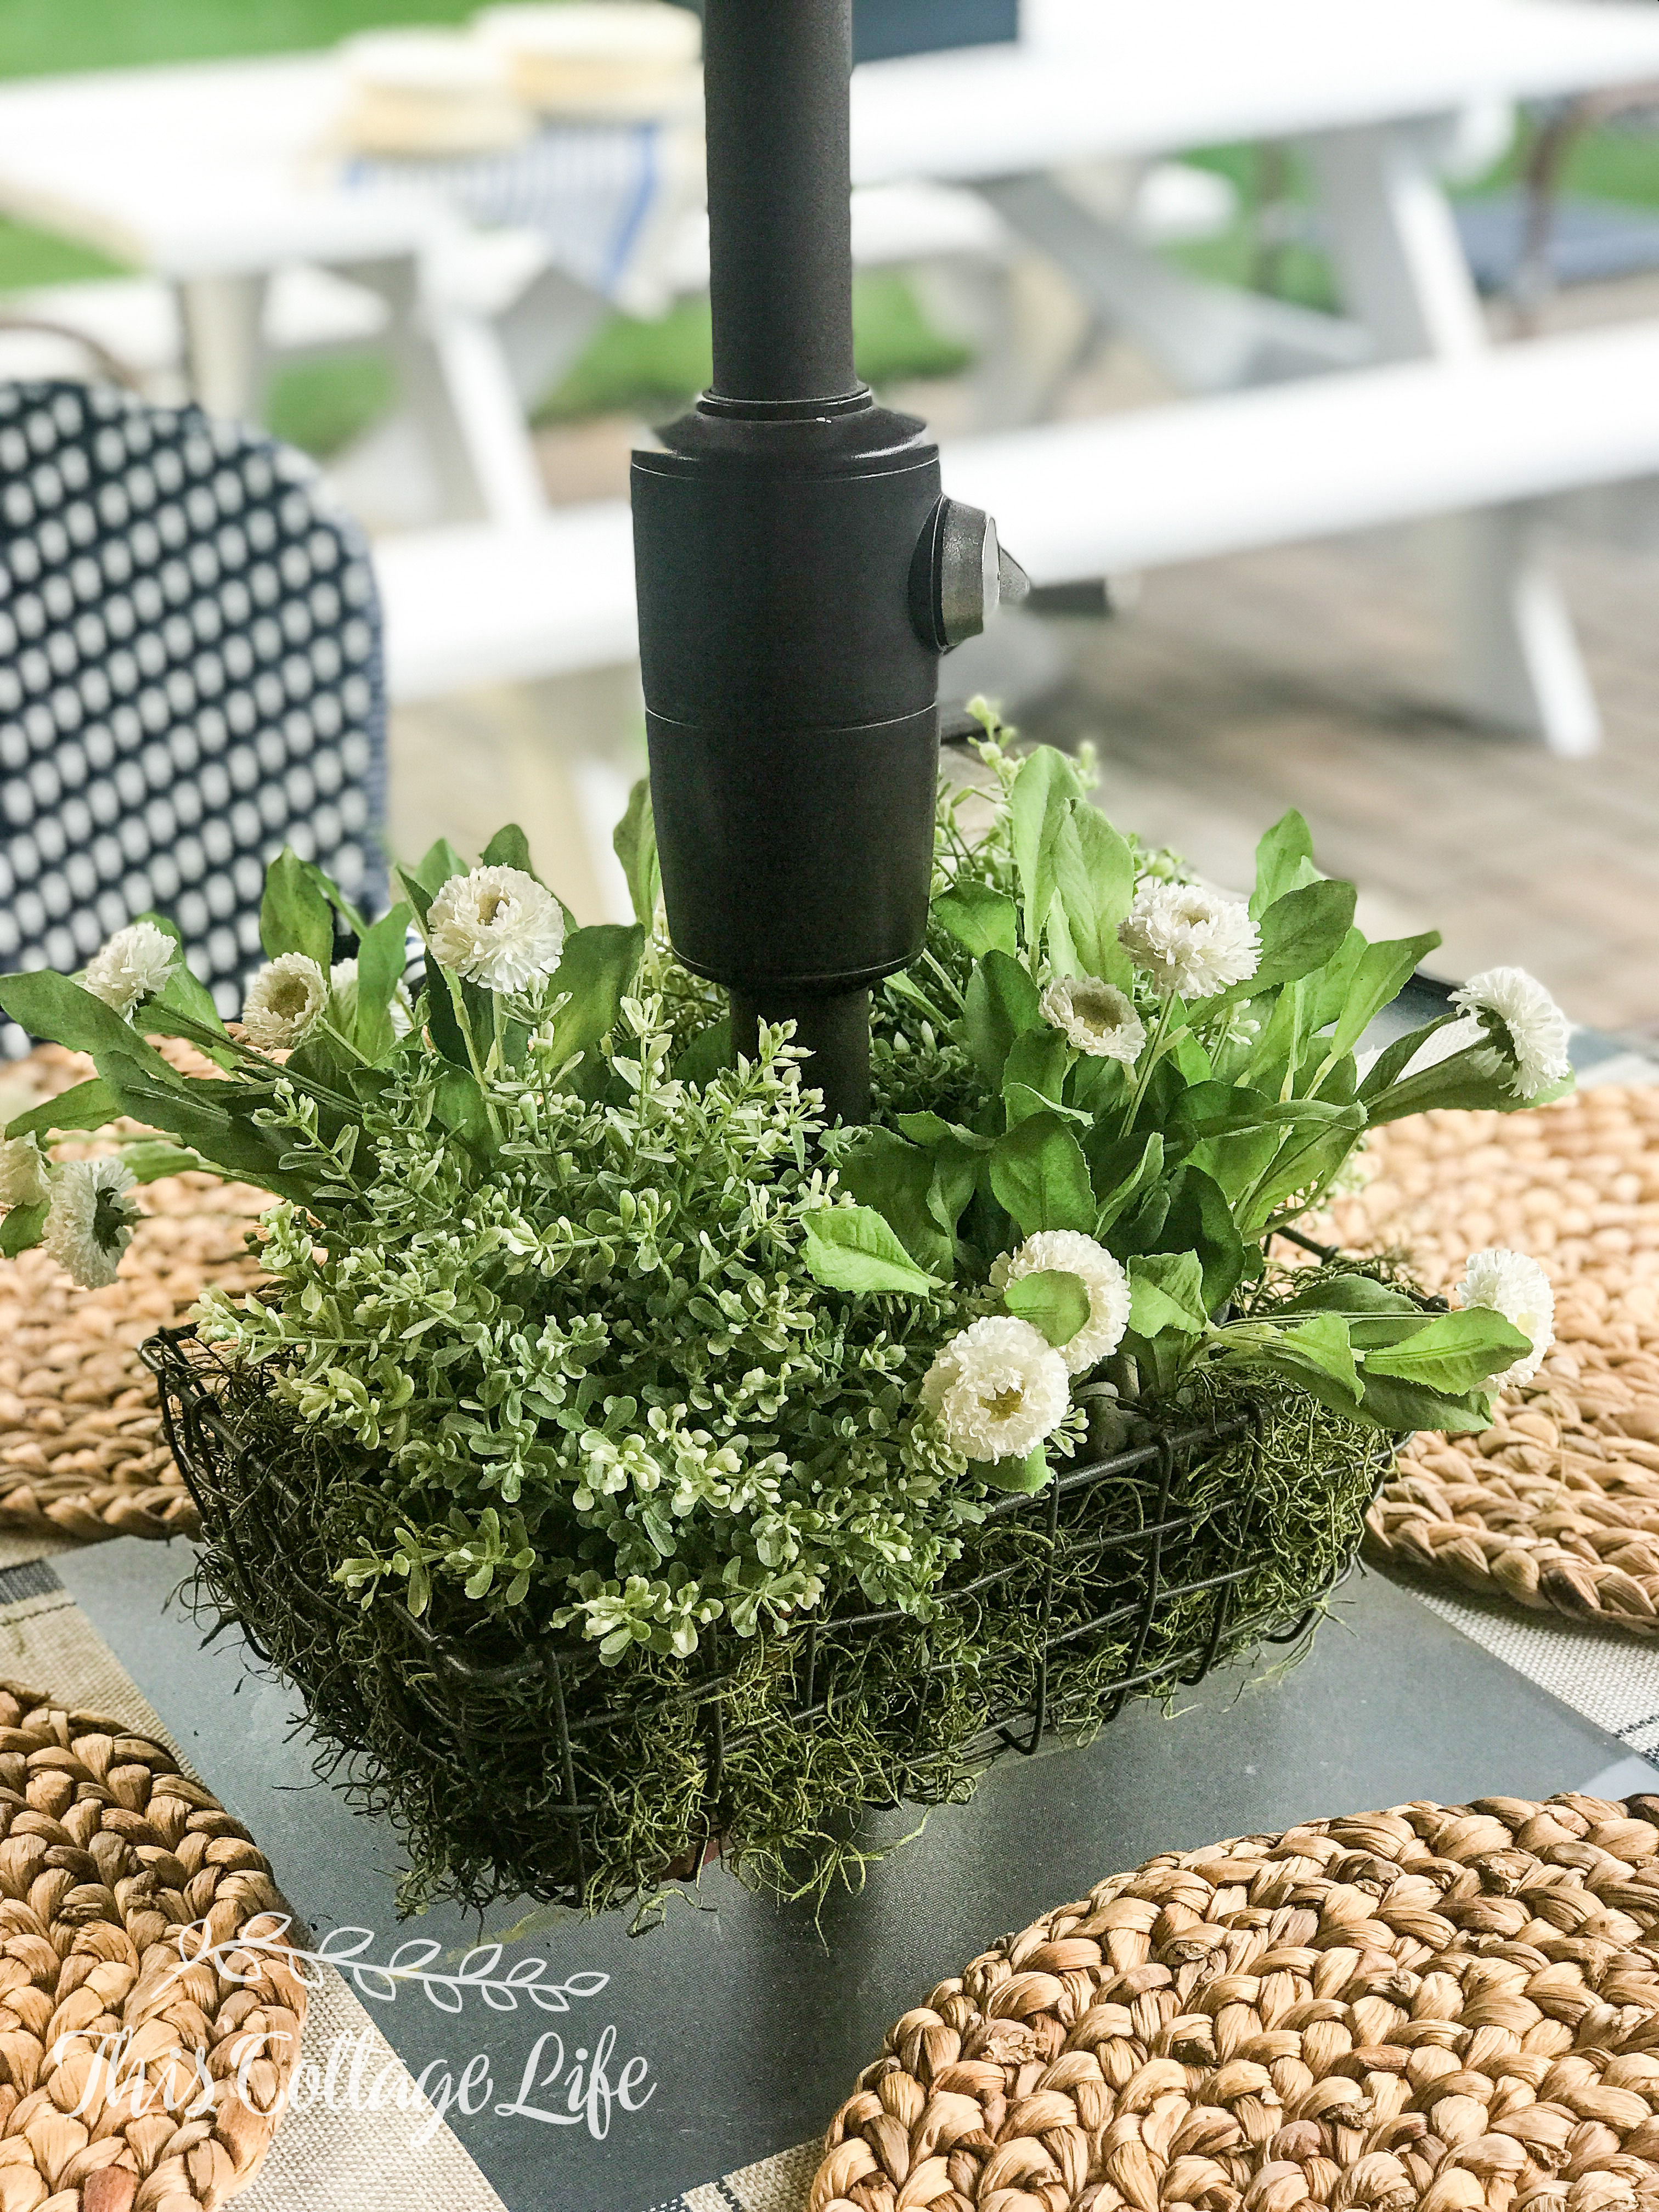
x=497, y=927
x=284, y=1001
x=1511, y=1284
x=134, y=966
x=89, y=1222
x=1098, y=1018
x=22, y=1172
x=1191, y=941
x=343, y=982
x=997, y=1389
x=1534, y=1026
x=1071, y=1253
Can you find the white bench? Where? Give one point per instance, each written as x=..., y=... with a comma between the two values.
x=1074, y=500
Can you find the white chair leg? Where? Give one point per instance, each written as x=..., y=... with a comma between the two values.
x=1516, y=659
x=1403, y=271
x=227, y=363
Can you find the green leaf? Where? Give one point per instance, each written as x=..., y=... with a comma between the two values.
x=1055, y=1301
x=21, y=1228
x=1353, y=1294
x=508, y=849
x=50, y=1005
x=152, y=1158
x=1280, y=859
x=709, y=1054
x=635, y=842
x=1022, y=1477
x=882, y=1171
x=1462, y=1084
x=1033, y=1074
x=1095, y=878
x=1300, y=933
x=1042, y=791
x=850, y=1248
x=1308, y=1159
x=1385, y=1070
x=1323, y=1344
x=930, y=1129
x=294, y=914
x=596, y=969
x=1453, y=1353
x=1121, y=1173
x=439, y=863
x=461, y=1107
x=1001, y=1003
x=381, y=959
x=89, y=1105
x=1380, y=974
x=200, y=1114
x=1402, y=1408
x=1038, y=1172
x=1166, y=1291
x=981, y=919
x=1202, y=1220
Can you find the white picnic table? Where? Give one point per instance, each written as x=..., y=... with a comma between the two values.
x=216, y=175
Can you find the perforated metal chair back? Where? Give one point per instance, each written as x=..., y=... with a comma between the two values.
x=190, y=677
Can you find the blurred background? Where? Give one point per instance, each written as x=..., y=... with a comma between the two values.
x=458, y=259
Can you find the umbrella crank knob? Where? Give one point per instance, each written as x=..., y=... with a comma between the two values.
x=960, y=575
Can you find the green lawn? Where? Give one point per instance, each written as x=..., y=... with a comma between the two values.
x=42, y=37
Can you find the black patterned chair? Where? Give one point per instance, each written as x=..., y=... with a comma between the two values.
x=189, y=678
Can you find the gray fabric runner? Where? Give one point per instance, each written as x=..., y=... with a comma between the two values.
x=345, y=2160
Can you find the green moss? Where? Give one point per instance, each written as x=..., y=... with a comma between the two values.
x=1268, y=1503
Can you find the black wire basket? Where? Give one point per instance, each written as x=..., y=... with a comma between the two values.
x=518, y=1763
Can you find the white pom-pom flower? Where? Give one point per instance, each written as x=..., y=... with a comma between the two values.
x=285, y=1001
x=22, y=1172
x=1069, y=1252
x=497, y=927
x=133, y=966
x=1097, y=1018
x=1192, y=942
x=1511, y=1284
x=997, y=1389
x=1536, y=1029
x=89, y=1222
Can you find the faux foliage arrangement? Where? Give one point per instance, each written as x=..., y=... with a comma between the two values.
x=593, y=1334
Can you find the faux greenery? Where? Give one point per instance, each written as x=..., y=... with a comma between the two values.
x=640, y=1342
x=591, y=1332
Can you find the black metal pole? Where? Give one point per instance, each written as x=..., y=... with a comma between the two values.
x=799, y=574
x=780, y=223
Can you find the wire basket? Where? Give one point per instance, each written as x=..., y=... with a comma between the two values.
x=499, y=1752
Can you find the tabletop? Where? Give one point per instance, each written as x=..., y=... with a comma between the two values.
x=752, y=2022
x=214, y=167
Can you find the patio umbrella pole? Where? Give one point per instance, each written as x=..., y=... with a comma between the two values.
x=798, y=576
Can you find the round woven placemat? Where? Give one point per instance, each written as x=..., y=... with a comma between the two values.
x=131, y=2080
x=1557, y=1505
x=82, y=1452
x=1437, y=2007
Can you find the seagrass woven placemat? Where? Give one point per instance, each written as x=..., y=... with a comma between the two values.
x=332, y=2153
x=81, y=1453
x=1442, y=2008
x=1556, y=1507
x=144, y=2049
